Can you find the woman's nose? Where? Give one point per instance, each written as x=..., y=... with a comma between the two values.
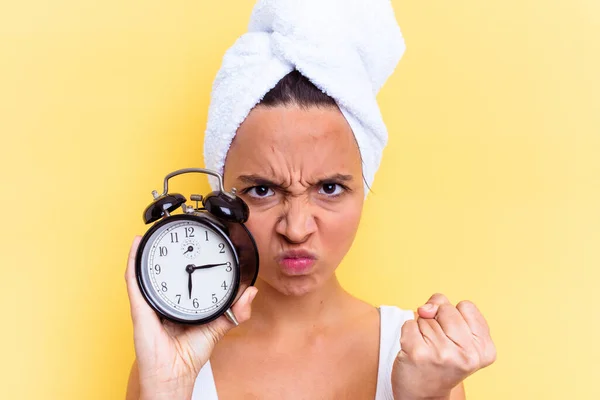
x=297, y=222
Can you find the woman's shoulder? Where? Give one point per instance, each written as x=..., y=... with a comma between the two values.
x=387, y=317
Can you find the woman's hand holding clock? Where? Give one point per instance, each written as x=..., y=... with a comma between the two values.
x=170, y=356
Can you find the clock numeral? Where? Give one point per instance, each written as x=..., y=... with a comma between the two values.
x=189, y=231
x=163, y=251
x=206, y=233
x=228, y=268
x=224, y=285
x=178, y=298
x=222, y=247
x=195, y=303
x=174, y=238
x=214, y=298
x=157, y=269
x=163, y=286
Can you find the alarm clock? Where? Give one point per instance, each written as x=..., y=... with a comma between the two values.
x=193, y=266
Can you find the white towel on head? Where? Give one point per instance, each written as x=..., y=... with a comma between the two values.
x=347, y=48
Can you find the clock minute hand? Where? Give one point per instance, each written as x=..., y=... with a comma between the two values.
x=190, y=284
x=208, y=266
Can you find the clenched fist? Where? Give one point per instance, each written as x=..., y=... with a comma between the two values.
x=439, y=349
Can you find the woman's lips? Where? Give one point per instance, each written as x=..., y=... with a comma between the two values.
x=296, y=262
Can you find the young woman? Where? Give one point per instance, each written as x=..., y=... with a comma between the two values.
x=299, y=165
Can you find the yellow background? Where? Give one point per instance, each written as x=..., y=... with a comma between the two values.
x=489, y=189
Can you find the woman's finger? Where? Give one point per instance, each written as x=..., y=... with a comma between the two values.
x=242, y=309
x=142, y=315
x=454, y=326
x=430, y=309
x=480, y=331
x=431, y=332
x=412, y=342
x=474, y=319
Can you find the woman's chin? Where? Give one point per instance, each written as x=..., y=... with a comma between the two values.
x=293, y=285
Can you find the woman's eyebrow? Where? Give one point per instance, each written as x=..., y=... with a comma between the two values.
x=261, y=181
x=337, y=177
x=257, y=180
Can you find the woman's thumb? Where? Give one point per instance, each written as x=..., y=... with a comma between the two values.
x=242, y=309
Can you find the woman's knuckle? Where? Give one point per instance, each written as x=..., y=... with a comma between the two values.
x=491, y=355
x=420, y=354
x=466, y=304
x=446, y=356
x=470, y=361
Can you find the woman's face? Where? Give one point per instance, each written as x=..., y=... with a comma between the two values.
x=299, y=171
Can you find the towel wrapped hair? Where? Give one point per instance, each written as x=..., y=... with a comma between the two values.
x=346, y=48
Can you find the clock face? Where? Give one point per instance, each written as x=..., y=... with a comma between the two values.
x=188, y=269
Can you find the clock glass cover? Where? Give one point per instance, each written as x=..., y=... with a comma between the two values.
x=188, y=269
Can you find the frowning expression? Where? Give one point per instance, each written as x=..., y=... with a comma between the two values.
x=299, y=171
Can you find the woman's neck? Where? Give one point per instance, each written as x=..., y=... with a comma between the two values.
x=279, y=313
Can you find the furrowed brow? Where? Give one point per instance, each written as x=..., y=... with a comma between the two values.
x=337, y=178
x=257, y=180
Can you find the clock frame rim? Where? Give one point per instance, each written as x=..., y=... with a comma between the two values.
x=203, y=219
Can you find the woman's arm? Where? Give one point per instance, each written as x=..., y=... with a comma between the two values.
x=133, y=385
x=458, y=393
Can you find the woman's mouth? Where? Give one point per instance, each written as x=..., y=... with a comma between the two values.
x=296, y=262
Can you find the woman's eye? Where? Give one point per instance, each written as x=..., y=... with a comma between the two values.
x=260, y=191
x=331, y=189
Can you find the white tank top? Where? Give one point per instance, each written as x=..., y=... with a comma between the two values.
x=391, y=320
